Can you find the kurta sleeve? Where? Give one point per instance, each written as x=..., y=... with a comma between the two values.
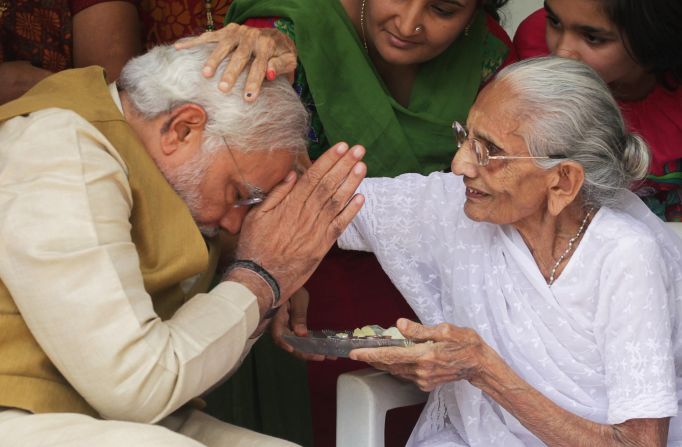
x=67, y=258
x=409, y=223
x=633, y=329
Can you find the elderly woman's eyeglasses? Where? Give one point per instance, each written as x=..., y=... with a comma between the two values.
x=482, y=152
x=256, y=195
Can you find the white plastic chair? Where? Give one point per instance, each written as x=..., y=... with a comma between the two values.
x=362, y=399
x=676, y=227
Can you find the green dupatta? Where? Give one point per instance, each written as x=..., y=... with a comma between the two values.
x=354, y=104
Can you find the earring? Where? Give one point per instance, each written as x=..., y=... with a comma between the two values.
x=466, y=30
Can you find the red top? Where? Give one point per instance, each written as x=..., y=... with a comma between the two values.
x=657, y=118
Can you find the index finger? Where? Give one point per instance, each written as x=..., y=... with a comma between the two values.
x=389, y=355
x=265, y=47
x=337, y=162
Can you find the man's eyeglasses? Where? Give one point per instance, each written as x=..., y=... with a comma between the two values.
x=482, y=152
x=256, y=195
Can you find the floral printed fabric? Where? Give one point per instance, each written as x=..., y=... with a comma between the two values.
x=602, y=342
x=38, y=31
x=166, y=21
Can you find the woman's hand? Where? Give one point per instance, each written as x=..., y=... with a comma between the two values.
x=292, y=317
x=270, y=53
x=460, y=353
x=449, y=353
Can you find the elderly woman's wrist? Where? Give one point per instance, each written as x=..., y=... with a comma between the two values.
x=492, y=371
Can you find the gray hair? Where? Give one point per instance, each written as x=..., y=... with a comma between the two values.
x=165, y=78
x=568, y=110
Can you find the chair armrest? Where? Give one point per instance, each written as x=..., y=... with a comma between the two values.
x=362, y=399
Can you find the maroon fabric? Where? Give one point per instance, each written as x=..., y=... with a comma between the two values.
x=77, y=6
x=38, y=31
x=529, y=40
x=348, y=290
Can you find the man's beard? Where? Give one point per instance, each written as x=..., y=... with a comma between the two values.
x=186, y=181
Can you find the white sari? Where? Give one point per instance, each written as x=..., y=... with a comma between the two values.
x=603, y=342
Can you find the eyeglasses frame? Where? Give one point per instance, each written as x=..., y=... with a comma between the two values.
x=483, y=156
x=256, y=195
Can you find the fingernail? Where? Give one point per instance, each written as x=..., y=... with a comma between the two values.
x=207, y=71
x=223, y=86
x=342, y=148
x=402, y=324
x=270, y=75
x=358, y=151
x=359, y=168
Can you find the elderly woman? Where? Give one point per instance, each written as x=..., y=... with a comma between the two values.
x=551, y=295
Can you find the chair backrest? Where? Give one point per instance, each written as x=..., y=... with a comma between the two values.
x=676, y=227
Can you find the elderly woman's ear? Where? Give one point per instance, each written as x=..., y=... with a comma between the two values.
x=566, y=181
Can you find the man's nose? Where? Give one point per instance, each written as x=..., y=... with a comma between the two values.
x=233, y=219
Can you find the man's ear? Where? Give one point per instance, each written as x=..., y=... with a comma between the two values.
x=566, y=181
x=183, y=131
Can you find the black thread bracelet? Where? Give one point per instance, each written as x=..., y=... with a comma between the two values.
x=272, y=282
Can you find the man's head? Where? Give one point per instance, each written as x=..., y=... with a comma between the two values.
x=214, y=149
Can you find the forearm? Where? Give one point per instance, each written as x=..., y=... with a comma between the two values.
x=106, y=34
x=555, y=426
x=17, y=77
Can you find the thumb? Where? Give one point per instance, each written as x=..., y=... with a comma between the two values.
x=414, y=330
x=299, y=312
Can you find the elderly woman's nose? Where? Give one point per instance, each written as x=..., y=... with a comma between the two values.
x=464, y=162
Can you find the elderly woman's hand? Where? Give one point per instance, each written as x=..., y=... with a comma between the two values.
x=448, y=353
x=270, y=53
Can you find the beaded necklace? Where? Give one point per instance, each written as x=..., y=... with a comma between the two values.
x=571, y=241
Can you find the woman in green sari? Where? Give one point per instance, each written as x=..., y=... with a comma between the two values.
x=391, y=75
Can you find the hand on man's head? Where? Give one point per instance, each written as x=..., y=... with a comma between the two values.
x=290, y=232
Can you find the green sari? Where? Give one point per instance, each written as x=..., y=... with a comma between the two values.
x=354, y=105
x=349, y=102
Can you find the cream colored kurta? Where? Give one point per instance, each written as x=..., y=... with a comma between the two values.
x=67, y=258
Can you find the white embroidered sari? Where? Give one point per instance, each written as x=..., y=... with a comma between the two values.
x=603, y=341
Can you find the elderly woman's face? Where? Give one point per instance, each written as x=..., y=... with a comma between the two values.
x=504, y=191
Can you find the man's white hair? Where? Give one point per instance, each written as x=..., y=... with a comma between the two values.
x=165, y=78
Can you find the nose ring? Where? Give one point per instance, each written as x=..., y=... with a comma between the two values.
x=418, y=29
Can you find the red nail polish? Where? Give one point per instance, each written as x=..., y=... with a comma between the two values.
x=270, y=75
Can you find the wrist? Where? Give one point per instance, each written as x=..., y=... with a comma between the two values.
x=496, y=378
x=260, y=281
x=255, y=285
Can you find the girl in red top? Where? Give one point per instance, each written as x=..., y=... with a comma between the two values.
x=636, y=48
